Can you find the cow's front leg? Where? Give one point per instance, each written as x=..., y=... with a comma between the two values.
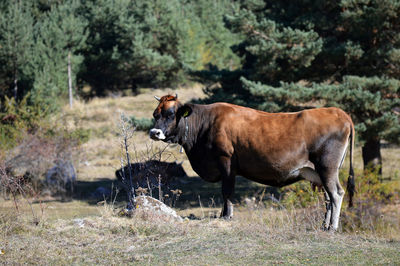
x=228, y=187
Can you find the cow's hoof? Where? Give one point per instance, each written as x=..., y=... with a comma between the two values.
x=328, y=229
x=226, y=216
x=332, y=230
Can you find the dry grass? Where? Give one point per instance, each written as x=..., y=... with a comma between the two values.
x=78, y=232
x=261, y=236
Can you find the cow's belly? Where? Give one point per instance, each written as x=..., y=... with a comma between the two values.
x=271, y=179
x=206, y=167
x=269, y=171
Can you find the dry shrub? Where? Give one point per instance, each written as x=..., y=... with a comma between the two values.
x=36, y=155
x=371, y=187
x=42, y=151
x=17, y=187
x=300, y=206
x=370, y=212
x=146, y=172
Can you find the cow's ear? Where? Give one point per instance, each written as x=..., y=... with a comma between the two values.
x=184, y=111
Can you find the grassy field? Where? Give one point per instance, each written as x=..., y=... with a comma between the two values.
x=83, y=231
x=252, y=237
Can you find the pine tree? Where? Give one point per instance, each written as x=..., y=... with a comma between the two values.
x=130, y=43
x=331, y=53
x=153, y=43
x=208, y=40
x=16, y=42
x=60, y=36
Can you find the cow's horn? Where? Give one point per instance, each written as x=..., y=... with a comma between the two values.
x=157, y=98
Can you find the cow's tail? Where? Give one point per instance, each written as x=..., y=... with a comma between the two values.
x=351, y=188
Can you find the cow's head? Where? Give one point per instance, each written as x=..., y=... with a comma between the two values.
x=167, y=116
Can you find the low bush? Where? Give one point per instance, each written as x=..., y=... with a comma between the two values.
x=369, y=213
x=141, y=124
x=39, y=153
x=370, y=188
x=300, y=194
x=32, y=145
x=18, y=118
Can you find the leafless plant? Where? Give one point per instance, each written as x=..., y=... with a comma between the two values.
x=39, y=156
x=145, y=168
x=17, y=186
x=149, y=187
x=127, y=131
x=175, y=196
x=160, y=197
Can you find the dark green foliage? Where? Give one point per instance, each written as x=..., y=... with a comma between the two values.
x=17, y=119
x=16, y=48
x=59, y=32
x=142, y=124
x=141, y=43
x=79, y=135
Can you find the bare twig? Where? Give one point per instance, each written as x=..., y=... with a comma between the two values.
x=126, y=134
x=159, y=189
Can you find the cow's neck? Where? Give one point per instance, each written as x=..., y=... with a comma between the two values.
x=190, y=127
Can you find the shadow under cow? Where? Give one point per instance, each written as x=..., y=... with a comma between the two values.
x=153, y=176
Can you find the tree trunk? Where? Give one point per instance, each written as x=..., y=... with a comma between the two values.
x=15, y=77
x=69, y=79
x=371, y=153
x=15, y=87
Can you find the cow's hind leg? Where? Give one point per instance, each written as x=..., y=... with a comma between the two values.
x=328, y=213
x=311, y=175
x=330, y=180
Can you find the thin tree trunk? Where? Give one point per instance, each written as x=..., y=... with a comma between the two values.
x=15, y=86
x=69, y=79
x=15, y=56
x=371, y=153
x=131, y=192
x=15, y=73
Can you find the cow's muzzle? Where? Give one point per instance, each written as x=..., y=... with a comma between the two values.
x=156, y=134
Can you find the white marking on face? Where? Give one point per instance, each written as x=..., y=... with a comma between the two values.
x=156, y=134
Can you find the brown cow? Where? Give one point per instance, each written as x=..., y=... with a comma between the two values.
x=223, y=140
